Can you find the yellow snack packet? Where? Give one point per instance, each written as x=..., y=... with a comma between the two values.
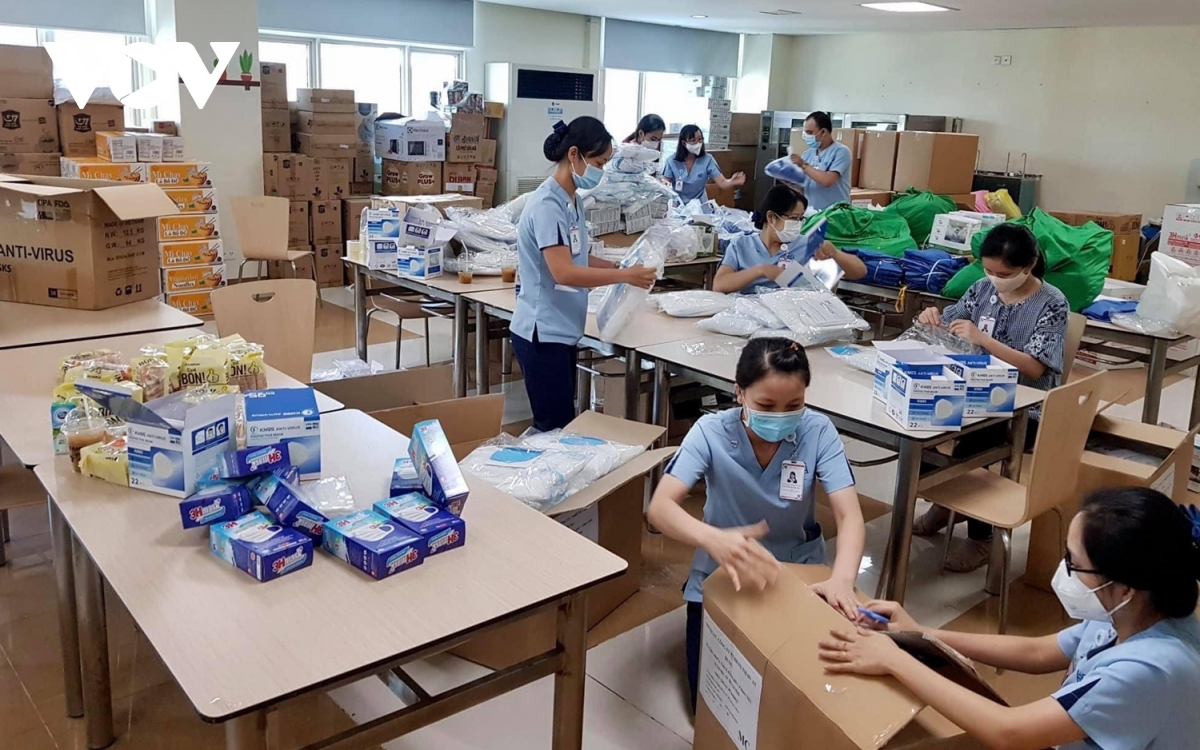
x=93, y=370
x=107, y=461
x=205, y=366
x=95, y=355
x=247, y=366
x=152, y=373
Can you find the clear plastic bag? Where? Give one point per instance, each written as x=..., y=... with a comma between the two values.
x=711, y=349
x=346, y=368
x=633, y=158
x=859, y=357
x=731, y=323
x=939, y=339
x=816, y=317
x=694, y=303
x=330, y=495
x=622, y=301
x=784, y=169
x=538, y=478
x=606, y=455
x=1171, y=302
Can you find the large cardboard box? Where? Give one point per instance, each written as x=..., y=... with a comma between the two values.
x=877, y=166
x=179, y=174
x=459, y=178
x=440, y=202
x=95, y=168
x=1116, y=223
x=852, y=138
x=1125, y=256
x=193, y=200
x=77, y=127
x=28, y=126
x=336, y=184
x=487, y=152
x=863, y=197
x=328, y=146
x=362, y=165
x=25, y=72
x=763, y=686
x=273, y=81
x=410, y=139
x=941, y=162
x=722, y=196
x=299, y=232
x=44, y=165
x=279, y=174
x=193, y=226
x=744, y=129
x=403, y=388
x=352, y=209
x=327, y=123
x=325, y=100
x=1180, y=237
x=463, y=148
x=1118, y=453
x=329, y=265
x=412, y=177
x=193, y=303
x=276, y=130
x=92, y=250
x=326, y=222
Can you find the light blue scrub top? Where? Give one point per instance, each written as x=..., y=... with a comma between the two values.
x=694, y=182
x=557, y=313
x=742, y=493
x=748, y=250
x=836, y=158
x=1137, y=695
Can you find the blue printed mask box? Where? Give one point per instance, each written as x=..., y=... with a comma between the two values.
x=259, y=546
x=991, y=384
x=404, y=477
x=287, y=504
x=921, y=400
x=214, y=504
x=173, y=441
x=375, y=544
x=885, y=358
x=263, y=485
x=247, y=462
x=441, y=479
x=287, y=416
x=441, y=531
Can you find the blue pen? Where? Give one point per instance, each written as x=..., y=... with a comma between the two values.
x=881, y=619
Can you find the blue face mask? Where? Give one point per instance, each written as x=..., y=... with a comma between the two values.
x=810, y=139
x=774, y=426
x=589, y=179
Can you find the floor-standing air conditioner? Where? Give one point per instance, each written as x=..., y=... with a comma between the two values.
x=534, y=99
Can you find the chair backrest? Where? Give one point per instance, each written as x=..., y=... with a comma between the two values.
x=1076, y=324
x=261, y=225
x=280, y=314
x=1067, y=416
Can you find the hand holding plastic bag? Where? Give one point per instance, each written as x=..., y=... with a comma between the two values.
x=785, y=169
x=939, y=339
x=622, y=301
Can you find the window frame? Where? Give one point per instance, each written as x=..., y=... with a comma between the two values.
x=641, y=94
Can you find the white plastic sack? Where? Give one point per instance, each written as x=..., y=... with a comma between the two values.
x=1171, y=299
x=694, y=303
x=816, y=317
x=622, y=301
x=731, y=323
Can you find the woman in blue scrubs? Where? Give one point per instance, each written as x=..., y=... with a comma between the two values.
x=556, y=271
x=649, y=133
x=689, y=171
x=755, y=515
x=1132, y=664
x=752, y=260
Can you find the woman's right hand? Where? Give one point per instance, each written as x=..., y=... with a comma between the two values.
x=898, y=619
x=770, y=271
x=739, y=552
x=931, y=316
x=640, y=276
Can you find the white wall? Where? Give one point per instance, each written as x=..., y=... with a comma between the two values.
x=1110, y=117
x=505, y=33
x=754, y=77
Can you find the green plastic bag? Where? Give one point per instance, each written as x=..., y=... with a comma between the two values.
x=851, y=228
x=1077, y=258
x=918, y=208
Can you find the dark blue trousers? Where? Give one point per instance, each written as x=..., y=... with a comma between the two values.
x=549, y=372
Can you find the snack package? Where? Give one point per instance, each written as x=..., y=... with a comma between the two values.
x=151, y=371
x=107, y=461
x=107, y=356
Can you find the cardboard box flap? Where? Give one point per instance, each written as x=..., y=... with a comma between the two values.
x=604, y=486
x=131, y=202
x=462, y=419
x=389, y=390
x=945, y=661
x=1132, y=448
x=615, y=429
x=1141, y=432
x=12, y=178
x=764, y=618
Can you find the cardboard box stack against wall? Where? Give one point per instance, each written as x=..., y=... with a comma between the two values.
x=735, y=150
x=29, y=141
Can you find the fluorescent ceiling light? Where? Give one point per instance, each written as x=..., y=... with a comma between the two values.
x=698, y=15
x=914, y=7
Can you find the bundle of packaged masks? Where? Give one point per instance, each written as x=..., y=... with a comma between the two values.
x=814, y=316
x=744, y=318
x=622, y=301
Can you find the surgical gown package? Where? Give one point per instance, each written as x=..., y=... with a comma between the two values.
x=490, y=235
x=1171, y=301
x=785, y=169
x=693, y=303
x=815, y=317
x=542, y=470
x=746, y=317
x=622, y=301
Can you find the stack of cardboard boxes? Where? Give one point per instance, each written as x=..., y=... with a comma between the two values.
x=276, y=119
x=29, y=132
x=1127, y=237
x=740, y=155
x=720, y=120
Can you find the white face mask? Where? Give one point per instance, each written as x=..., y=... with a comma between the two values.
x=694, y=148
x=790, y=232
x=1080, y=602
x=656, y=145
x=1005, y=286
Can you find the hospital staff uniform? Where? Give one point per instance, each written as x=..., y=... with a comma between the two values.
x=748, y=250
x=835, y=158
x=1136, y=695
x=549, y=318
x=742, y=493
x=691, y=185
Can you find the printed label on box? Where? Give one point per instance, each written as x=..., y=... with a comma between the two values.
x=730, y=686
x=585, y=522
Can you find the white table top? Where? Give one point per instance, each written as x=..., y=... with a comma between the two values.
x=448, y=282
x=1098, y=327
x=35, y=325
x=234, y=644
x=836, y=388
x=28, y=376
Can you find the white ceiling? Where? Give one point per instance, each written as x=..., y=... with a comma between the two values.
x=846, y=16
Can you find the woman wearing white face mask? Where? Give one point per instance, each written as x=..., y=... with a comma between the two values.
x=1017, y=317
x=1132, y=666
x=649, y=133
x=752, y=260
x=690, y=169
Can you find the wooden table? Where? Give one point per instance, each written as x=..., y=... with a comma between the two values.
x=239, y=648
x=1151, y=349
x=845, y=395
x=35, y=325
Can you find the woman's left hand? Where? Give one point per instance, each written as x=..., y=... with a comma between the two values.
x=965, y=329
x=738, y=179
x=826, y=251
x=863, y=652
x=840, y=596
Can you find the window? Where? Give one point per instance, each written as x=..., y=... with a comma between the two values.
x=431, y=70
x=374, y=73
x=622, y=101
x=22, y=35
x=295, y=55
x=628, y=95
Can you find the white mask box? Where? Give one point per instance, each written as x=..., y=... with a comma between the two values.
x=991, y=384
x=287, y=416
x=919, y=400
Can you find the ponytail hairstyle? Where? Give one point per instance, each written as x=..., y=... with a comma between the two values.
x=1015, y=246
x=647, y=125
x=584, y=133
x=1140, y=538
x=781, y=200
x=686, y=132
x=763, y=356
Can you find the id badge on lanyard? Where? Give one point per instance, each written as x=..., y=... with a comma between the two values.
x=987, y=324
x=679, y=184
x=791, y=481
x=576, y=243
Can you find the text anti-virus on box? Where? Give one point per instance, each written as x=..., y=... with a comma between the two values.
x=259, y=546
x=287, y=416
x=919, y=400
x=991, y=384
x=441, y=479
x=375, y=544
x=885, y=359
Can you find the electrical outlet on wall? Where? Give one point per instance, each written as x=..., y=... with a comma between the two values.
x=1006, y=60
x=996, y=59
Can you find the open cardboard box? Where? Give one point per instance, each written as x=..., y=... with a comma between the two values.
x=761, y=680
x=1163, y=462
x=609, y=513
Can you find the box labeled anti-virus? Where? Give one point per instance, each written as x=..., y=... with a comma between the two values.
x=287, y=416
x=921, y=400
x=886, y=353
x=991, y=384
x=441, y=479
x=375, y=544
x=419, y=262
x=441, y=531
x=260, y=547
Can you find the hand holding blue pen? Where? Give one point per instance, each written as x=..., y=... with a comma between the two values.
x=878, y=621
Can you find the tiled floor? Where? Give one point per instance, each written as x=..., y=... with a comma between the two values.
x=636, y=686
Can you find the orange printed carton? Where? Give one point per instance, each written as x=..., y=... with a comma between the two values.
x=184, y=174
x=180, y=227
x=193, y=278
x=193, y=200
x=193, y=253
x=192, y=303
x=92, y=168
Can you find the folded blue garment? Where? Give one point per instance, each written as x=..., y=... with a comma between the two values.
x=929, y=270
x=784, y=169
x=882, y=269
x=1104, y=309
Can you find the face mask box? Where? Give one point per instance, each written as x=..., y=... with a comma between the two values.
x=886, y=353
x=218, y=503
x=419, y=262
x=404, y=477
x=921, y=400
x=991, y=384
x=247, y=462
x=288, y=416
x=260, y=547
x=375, y=544
x=441, y=479
x=441, y=531
x=290, y=507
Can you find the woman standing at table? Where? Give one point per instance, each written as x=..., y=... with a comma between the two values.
x=649, y=133
x=760, y=464
x=690, y=169
x=556, y=270
x=1016, y=317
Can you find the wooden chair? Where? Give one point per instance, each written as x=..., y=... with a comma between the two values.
x=1067, y=416
x=404, y=305
x=18, y=486
x=1076, y=324
x=280, y=314
x=261, y=223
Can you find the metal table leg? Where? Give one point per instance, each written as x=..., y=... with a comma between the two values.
x=5, y=528
x=661, y=403
x=247, y=732
x=68, y=614
x=360, y=312
x=633, y=385
x=1011, y=469
x=483, y=378
x=893, y=578
x=506, y=356
x=570, y=682
x=93, y=627
x=1154, y=380
x=583, y=381
x=1194, y=417
x=460, y=346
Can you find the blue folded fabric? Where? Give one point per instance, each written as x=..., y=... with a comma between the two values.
x=929, y=270
x=1104, y=309
x=882, y=269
